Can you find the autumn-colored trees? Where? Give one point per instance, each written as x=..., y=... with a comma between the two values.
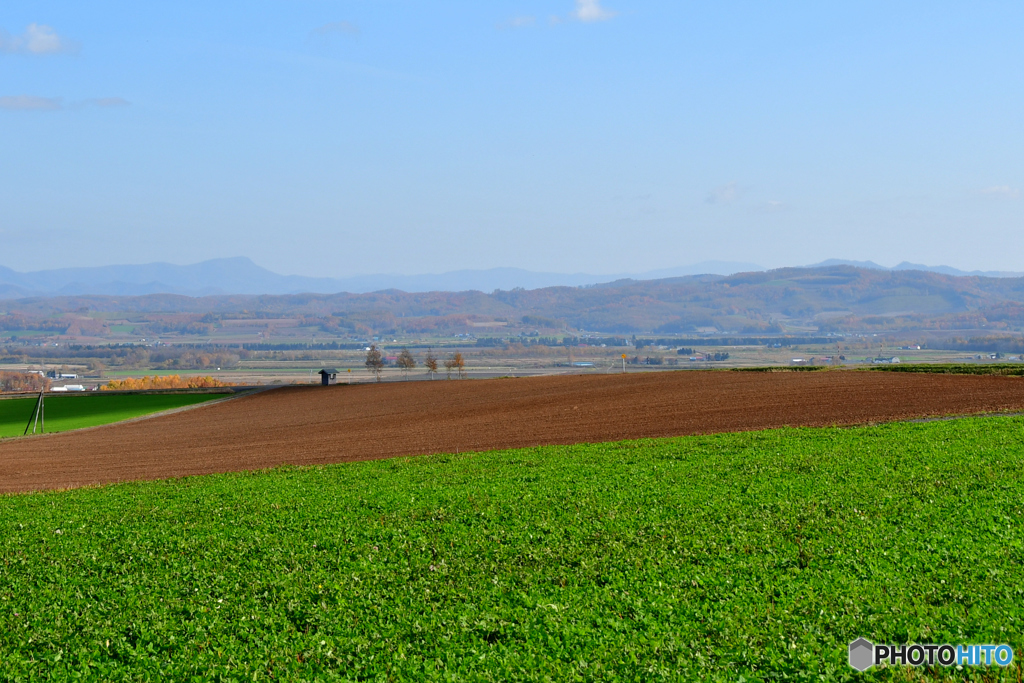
x=406, y=361
x=23, y=381
x=457, y=363
x=430, y=362
x=375, y=361
x=165, y=382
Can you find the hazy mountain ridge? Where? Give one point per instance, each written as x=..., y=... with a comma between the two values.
x=906, y=265
x=218, y=276
x=837, y=298
x=241, y=276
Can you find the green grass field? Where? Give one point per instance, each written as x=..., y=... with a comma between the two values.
x=89, y=410
x=1013, y=369
x=755, y=556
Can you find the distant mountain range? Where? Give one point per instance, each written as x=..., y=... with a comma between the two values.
x=906, y=265
x=787, y=301
x=241, y=276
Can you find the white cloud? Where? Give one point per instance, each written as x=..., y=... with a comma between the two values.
x=30, y=103
x=591, y=10
x=336, y=28
x=726, y=194
x=1001, y=191
x=37, y=39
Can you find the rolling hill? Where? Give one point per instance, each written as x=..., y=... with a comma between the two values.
x=829, y=299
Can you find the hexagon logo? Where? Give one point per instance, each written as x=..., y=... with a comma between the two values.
x=862, y=654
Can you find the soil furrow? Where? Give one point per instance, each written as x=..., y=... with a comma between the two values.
x=313, y=425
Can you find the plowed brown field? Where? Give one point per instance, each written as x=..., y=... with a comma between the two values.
x=307, y=425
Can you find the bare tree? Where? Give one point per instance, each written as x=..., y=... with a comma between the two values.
x=449, y=365
x=375, y=361
x=406, y=361
x=430, y=362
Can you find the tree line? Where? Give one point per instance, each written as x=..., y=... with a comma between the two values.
x=455, y=363
x=22, y=381
x=164, y=382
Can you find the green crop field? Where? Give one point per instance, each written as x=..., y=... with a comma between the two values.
x=89, y=410
x=1012, y=369
x=754, y=556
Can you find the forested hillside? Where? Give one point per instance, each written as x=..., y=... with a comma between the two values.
x=833, y=299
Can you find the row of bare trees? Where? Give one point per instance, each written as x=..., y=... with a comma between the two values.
x=454, y=363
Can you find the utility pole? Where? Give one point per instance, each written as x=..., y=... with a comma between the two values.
x=36, y=414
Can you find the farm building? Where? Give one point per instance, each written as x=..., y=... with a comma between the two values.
x=54, y=374
x=69, y=387
x=328, y=376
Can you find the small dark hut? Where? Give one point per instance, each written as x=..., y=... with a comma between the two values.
x=328, y=376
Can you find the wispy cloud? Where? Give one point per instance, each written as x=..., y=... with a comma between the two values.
x=30, y=103
x=1001, y=192
x=519, y=22
x=336, y=28
x=108, y=102
x=38, y=39
x=591, y=10
x=35, y=103
x=726, y=194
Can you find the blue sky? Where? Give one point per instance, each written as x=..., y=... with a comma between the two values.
x=603, y=136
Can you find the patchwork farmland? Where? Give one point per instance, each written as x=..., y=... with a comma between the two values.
x=321, y=425
x=566, y=528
